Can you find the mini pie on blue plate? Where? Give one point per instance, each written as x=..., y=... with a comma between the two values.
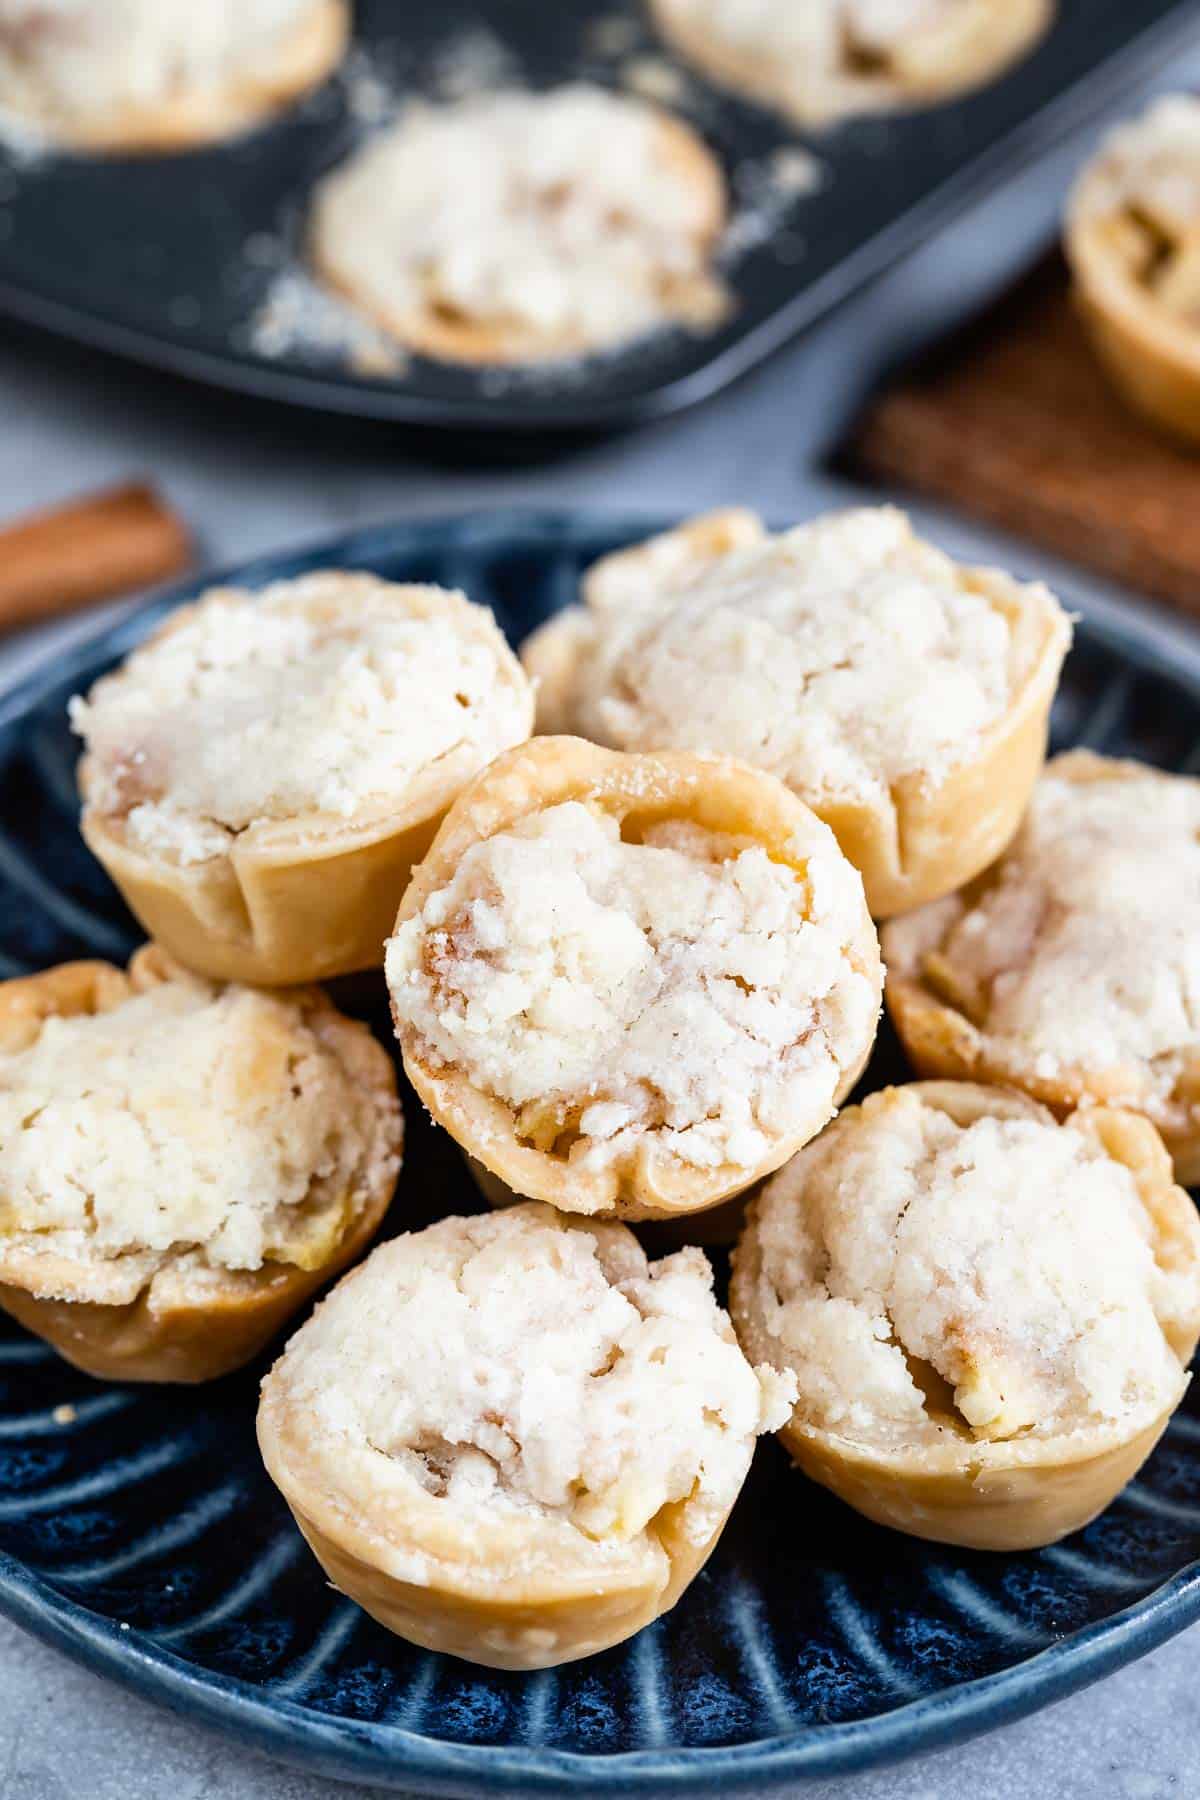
x=1071, y=968
x=904, y=697
x=632, y=985
x=514, y=1439
x=989, y=1314
x=181, y=1164
x=262, y=774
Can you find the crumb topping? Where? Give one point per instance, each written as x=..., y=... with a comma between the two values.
x=331, y=694
x=989, y=1281
x=841, y=656
x=578, y=217
x=1082, y=945
x=829, y=57
x=519, y=1363
x=72, y=59
x=684, y=985
x=188, y=1118
x=1144, y=189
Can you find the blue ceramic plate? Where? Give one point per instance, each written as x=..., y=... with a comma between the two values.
x=138, y=1532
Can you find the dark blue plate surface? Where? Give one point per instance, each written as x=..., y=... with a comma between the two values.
x=138, y=1532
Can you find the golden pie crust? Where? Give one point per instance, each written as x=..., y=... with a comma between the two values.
x=718, y=794
x=302, y=899
x=178, y=1328
x=921, y=840
x=942, y=1041
x=1151, y=351
x=1021, y=1493
x=937, y=64
x=189, y=118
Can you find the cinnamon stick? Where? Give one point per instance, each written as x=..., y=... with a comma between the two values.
x=93, y=549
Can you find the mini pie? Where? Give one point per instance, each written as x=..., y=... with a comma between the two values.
x=512, y=1438
x=517, y=227
x=1071, y=968
x=824, y=60
x=263, y=773
x=632, y=984
x=903, y=697
x=1133, y=242
x=988, y=1314
x=181, y=1164
x=144, y=75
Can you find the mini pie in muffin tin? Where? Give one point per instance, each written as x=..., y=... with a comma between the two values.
x=989, y=1314
x=521, y=227
x=151, y=75
x=1133, y=243
x=181, y=1164
x=632, y=984
x=262, y=774
x=905, y=698
x=554, y=1483
x=1070, y=968
x=824, y=60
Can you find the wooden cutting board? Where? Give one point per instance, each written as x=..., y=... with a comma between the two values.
x=1014, y=421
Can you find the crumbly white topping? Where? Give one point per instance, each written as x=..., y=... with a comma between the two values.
x=825, y=32
x=517, y=1362
x=570, y=216
x=331, y=694
x=1083, y=947
x=823, y=58
x=841, y=656
x=188, y=1118
x=685, y=985
x=74, y=59
x=923, y=1278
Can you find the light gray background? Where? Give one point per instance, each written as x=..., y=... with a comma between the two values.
x=253, y=479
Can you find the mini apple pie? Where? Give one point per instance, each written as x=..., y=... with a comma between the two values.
x=903, y=697
x=632, y=984
x=988, y=1314
x=516, y=227
x=136, y=75
x=1071, y=968
x=512, y=1438
x=263, y=773
x=1133, y=242
x=181, y=1164
x=824, y=60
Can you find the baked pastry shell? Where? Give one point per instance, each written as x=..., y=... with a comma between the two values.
x=177, y=1329
x=716, y=1227
x=1026, y=1492
x=190, y=118
x=448, y=337
x=943, y=1043
x=1008, y=33
x=918, y=840
x=718, y=794
x=504, y=1594
x=296, y=900
x=1152, y=358
x=509, y=1590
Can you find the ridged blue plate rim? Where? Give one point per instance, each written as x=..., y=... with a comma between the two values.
x=390, y=1754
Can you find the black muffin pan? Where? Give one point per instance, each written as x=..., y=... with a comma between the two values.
x=169, y=260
